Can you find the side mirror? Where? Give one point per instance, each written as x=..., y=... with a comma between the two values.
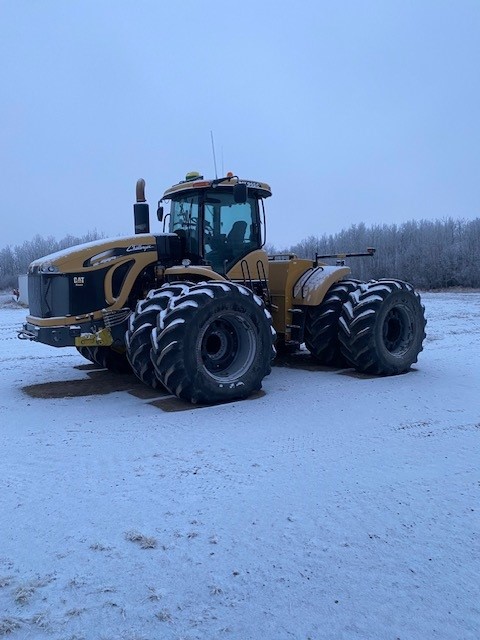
x=159, y=211
x=240, y=193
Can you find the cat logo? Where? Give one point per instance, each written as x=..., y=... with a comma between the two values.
x=79, y=281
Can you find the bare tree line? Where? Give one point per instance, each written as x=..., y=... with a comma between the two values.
x=430, y=255
x=15, y=260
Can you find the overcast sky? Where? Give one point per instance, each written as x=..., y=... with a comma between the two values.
x=351, y=110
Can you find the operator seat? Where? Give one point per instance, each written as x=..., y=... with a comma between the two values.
x=227, y=249
x=236, y=235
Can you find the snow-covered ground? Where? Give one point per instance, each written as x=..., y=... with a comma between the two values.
x=331, y=506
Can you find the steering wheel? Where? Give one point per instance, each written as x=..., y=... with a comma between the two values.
x=207, y=231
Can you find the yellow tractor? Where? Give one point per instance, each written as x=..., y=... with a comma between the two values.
x=201, y=308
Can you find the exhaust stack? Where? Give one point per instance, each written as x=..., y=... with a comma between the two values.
x=141, y=211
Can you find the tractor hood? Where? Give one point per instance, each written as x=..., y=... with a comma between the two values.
x=94, y=254
x=96, y=275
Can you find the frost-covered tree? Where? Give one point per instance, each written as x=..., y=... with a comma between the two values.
x=430, y=254
x=15, y=260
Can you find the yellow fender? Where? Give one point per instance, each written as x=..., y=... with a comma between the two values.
x=183, y=272
x=311, y=287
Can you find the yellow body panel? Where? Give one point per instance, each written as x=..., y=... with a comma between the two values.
x=182, y=272
x=282, y=276
x=253, y=266
x=295, y=282
x=74, y=259
x=310, y=288
x=63, y=321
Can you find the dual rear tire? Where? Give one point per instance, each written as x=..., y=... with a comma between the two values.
x=321, y=325
x=376, y=327
x=382, y=327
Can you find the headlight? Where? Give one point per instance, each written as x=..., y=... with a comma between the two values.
x=48, y=267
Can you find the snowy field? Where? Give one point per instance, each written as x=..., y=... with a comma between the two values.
x=331, y=506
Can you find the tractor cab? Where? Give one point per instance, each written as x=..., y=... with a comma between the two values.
x=219, y=221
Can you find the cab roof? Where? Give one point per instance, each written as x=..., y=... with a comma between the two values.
x=194, y=182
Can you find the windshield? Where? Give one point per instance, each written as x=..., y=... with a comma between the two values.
x=229, y=231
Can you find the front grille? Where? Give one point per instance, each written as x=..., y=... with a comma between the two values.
x=48, y=295
x=35, y=295
x=59, y=295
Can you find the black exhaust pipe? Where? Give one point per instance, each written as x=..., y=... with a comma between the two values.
x=141, y=211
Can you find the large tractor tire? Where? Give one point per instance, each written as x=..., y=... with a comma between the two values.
x=106, y=358
x=140, y=325
x=214, y=344
x=321, y=325
x=382, y=327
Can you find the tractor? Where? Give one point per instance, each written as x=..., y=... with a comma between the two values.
x=201, y=309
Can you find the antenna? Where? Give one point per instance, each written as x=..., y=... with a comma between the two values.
x=213, y=151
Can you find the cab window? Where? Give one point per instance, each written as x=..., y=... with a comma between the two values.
x=184, y=216
x=230, y=230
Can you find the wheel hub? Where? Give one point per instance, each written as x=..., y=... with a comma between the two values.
x=219, y=345
x=227, y=347
x=397, y=331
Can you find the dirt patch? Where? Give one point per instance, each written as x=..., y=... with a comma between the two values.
x=103, y=382
x=172, y=404
x=300, y=360
x=98, y=383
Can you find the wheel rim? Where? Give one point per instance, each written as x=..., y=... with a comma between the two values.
x=227, y=347
x=397, y=330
